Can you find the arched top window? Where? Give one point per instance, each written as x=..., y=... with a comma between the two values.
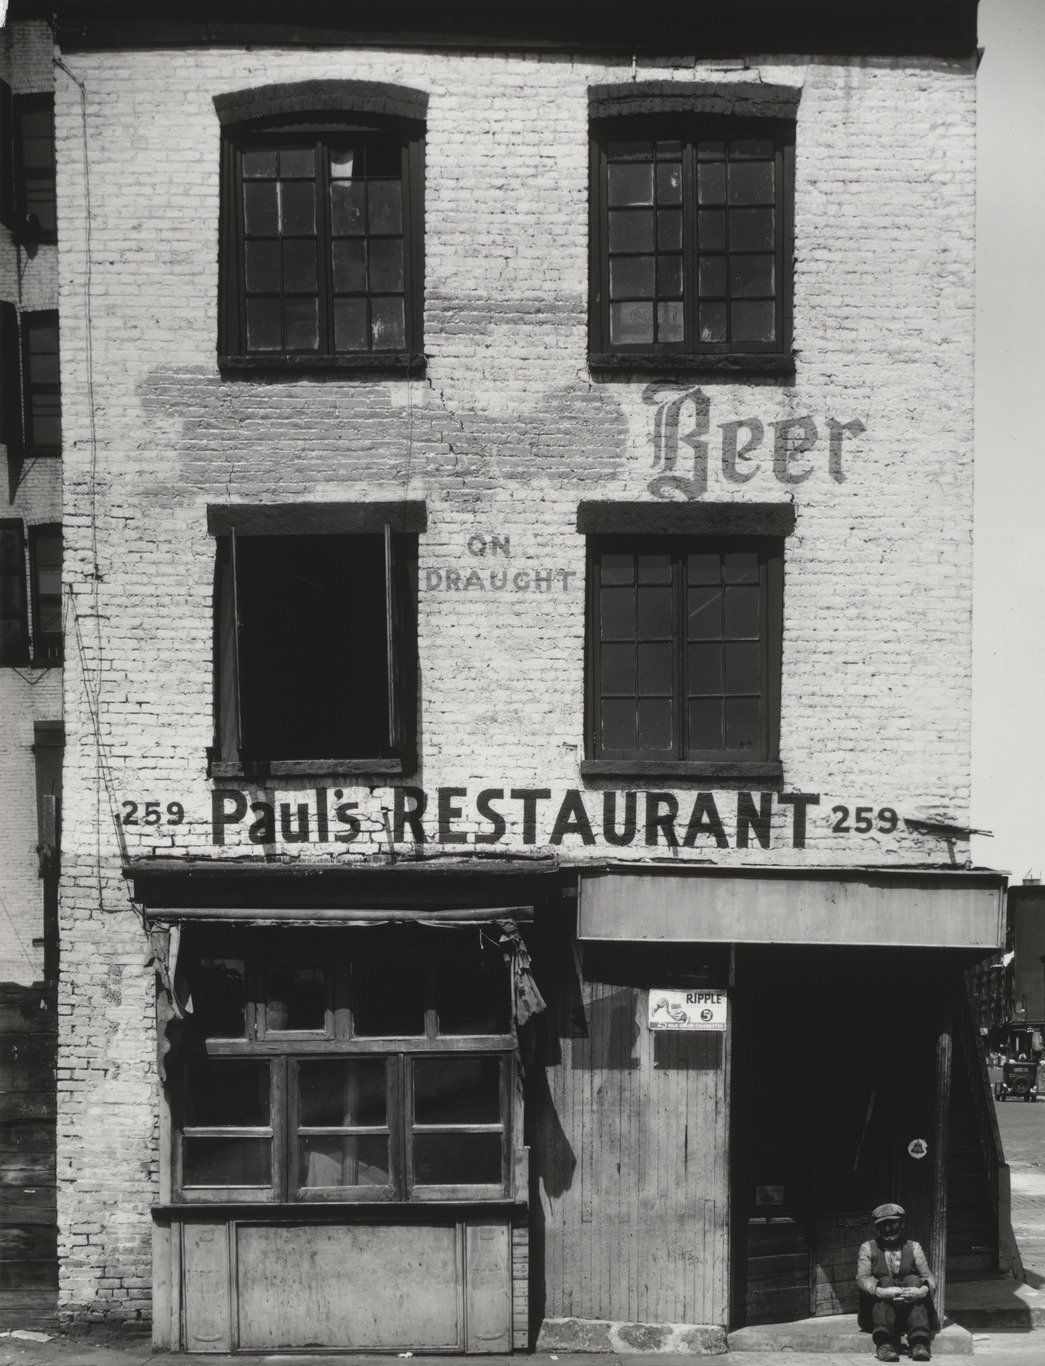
x=692, y=226
x=322, y=264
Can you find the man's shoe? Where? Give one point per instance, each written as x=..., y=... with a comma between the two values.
x=920, y=1351
x=887, y=1353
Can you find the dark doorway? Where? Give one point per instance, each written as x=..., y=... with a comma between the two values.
x=832, y=1080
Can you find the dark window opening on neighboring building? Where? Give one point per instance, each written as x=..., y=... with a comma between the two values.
x=30, y=401
x=340, y=1066
x=30, y=594
x=691, y=239
x=7, y=174
x=42, y=406
x=45, y=566
x=35, y=169
x=14, y=617
x=683, y=649
x=48, y=749
x=317, y=647
x=322, y=257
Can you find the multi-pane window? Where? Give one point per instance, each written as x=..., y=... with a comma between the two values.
x=30, y=390
x=691, y=239
x=316, y=647
x=682, y=653
x=45, y=566
x=322, y=248
x=34, y=118
x=343, y=1073
x=14, y=618
x=42, y=404
x=30, y=621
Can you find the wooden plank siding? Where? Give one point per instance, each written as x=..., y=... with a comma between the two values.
x=28, y=1232
x=628, y=1134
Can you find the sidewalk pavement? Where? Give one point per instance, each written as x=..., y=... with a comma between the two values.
x=1001, y=1349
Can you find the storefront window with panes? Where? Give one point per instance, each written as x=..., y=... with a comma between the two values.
x=348, y=1065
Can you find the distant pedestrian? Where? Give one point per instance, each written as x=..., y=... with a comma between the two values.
x=896, y=1288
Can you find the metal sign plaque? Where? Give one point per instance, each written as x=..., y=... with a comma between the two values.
x=670, y=1008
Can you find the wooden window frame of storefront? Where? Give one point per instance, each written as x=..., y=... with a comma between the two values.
x=284, y=1048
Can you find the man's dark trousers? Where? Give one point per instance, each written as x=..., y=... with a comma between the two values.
x=891, y=1318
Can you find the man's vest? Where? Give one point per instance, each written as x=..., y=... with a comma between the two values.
x=881, y=1266
x=880, y=1271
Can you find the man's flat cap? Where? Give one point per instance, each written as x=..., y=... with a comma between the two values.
x=888, y=1212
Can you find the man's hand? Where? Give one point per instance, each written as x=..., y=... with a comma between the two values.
x=907, y=1294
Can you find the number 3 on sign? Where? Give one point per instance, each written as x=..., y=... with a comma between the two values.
x=151, y=813
x=864, y=818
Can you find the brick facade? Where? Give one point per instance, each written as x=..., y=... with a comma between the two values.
x=502, y=437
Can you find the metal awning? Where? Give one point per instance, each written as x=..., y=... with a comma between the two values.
x=879, y=907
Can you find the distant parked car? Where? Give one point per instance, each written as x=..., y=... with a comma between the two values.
x=1019, y=1079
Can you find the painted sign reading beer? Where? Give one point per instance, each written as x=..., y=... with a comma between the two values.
x=792, y=448
x=696, y=1009
x=530, y=815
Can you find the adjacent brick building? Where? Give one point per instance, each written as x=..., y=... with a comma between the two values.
x=517, y=510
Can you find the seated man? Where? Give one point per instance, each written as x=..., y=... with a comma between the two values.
x=896, y=1288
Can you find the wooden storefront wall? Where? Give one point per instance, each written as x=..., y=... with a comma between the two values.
x=629, y=1170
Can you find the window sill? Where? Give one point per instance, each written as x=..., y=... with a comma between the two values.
x=754, y=770
x=407, y=363
x=312, y=768
x=722, y=363
x=299, y=1208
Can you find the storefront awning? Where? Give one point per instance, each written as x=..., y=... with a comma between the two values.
x=908, y=908
x=333, y=915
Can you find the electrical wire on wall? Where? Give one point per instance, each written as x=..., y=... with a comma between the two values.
x=92, y=688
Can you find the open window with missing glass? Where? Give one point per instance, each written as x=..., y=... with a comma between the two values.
x=373, y=1065
x=315, y=646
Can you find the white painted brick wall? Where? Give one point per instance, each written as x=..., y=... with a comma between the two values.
x=505, y=435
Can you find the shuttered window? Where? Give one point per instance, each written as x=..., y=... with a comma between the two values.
x=316, y=649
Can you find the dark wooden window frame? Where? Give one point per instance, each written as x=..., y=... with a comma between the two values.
x=399, y=524
x=321, y=111
x=690, y=356
x=724, y=765
x=47, y=646
x=7, y=159
x=44, y=317
x=14, y=592
x=32, y=228
x=284, y=1052
x=34, y=649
